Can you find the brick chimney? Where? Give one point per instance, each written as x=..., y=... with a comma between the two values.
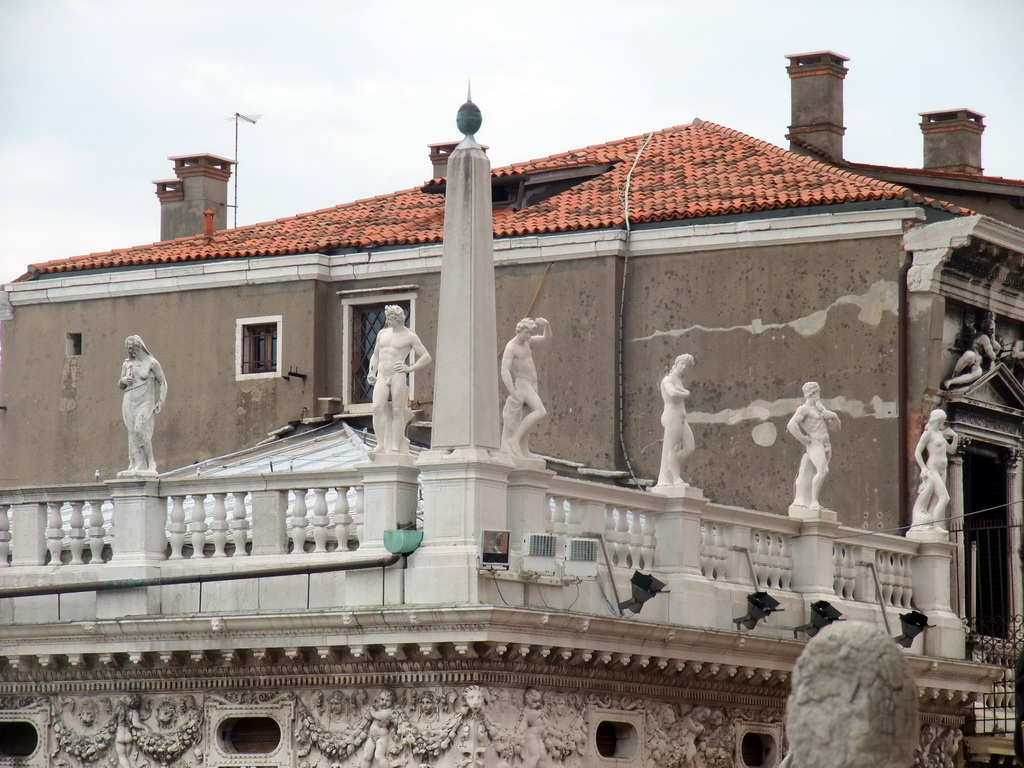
x=952, y=140
x=816, y=88
x=439, y=157
x=201, y=184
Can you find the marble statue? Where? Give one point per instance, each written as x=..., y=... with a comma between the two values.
x=145, y=390
x=523, y=407
x=853, y=702
x=810, y=425
x=387, y=375
x=677, y=443
x=937, y=440
x=985, y=349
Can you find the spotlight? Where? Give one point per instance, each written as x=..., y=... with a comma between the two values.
x=912, y=624
x=644, y=587
x=759, y=606
x=822, y=614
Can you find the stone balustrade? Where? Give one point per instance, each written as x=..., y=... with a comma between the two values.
x=710, y=556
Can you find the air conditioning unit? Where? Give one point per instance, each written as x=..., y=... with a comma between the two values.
x=539, y=550
x=581, y=557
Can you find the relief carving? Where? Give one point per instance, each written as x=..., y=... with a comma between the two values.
x=127, y=732
x=938, y=748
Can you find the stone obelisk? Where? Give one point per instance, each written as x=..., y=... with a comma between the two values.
x=464, y=477
x=465, y=414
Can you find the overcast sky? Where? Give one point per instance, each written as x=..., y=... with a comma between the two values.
x=96, y=94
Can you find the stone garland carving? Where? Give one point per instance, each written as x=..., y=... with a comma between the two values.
x=939, y=747
x=481, y=727
x=112, y=732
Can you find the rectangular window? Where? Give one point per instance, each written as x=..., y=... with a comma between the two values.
x=364, y=318
x=73, y=344
x=258, y=347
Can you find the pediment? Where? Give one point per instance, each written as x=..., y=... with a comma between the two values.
x=990, y=408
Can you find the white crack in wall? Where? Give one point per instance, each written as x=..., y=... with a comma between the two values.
x=880, y=298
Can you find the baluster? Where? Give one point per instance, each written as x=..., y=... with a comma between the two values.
x=884, y=565
x=5, y=535
x=198, y=525
x=77, y=534
x=299, y=522
x=176, y=527
x=219, y=526
x=54, y=532
x=610, y=536
x=558, y=515
x=357, y=514
x=341, y=519
x=239, y=525
x=649, y=539
x=573, y=517
x=96, y=531
x=320, y=519
x=706, y=560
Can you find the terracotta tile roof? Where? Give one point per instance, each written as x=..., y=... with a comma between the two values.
x=688, y=171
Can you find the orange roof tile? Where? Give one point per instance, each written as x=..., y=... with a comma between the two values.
x=687, y=171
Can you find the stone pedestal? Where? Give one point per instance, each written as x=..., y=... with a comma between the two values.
x=28, y=534
x=691, y=597
x=813, y=565
x=812, y=513
x=139, y=521
x=931, y=572
x=464, y=493
x=269, y=522
x=528, y=505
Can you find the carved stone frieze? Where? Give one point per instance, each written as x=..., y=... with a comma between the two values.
x=127, y=730
x=938, y=748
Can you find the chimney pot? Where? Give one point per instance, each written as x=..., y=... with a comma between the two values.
x=952, y=140
x=200, y=185
x=208, y=224
x=816, y=93
x=439, y=157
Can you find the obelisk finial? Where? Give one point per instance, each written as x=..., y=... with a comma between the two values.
x=468, y=119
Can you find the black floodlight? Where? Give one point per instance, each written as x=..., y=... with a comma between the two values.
x=759, y=606
x=912, y=624
x=644, y=587
x=822, y=614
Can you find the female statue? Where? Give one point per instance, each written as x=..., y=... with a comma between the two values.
x=678, y=441
x=145, y=389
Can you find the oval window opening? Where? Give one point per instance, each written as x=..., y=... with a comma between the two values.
x=616, y=739
x=250, y=735
x=18, y=739
x=757, y=749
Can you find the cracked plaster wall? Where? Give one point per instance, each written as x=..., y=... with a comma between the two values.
x=761, y=323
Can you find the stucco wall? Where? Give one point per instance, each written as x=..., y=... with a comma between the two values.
x=760, y=323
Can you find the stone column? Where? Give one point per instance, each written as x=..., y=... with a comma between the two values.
x=931, y=573
x=140, y=544
x=28, y=534
x=1014, y=498
x=955, y=483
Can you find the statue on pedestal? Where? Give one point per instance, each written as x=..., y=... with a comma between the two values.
x=523, y=407
x=145, y=389
x=677, y=443
x=387, y=375
x=810, y=425
x=938, y=441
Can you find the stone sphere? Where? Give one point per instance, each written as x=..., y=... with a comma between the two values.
x=469, y=118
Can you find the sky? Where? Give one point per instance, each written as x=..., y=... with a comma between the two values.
x=95, y=95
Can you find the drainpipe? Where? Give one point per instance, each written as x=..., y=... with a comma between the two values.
x=165, y=581
x=903, y=387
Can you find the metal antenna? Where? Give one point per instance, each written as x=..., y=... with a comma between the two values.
x=249, y=119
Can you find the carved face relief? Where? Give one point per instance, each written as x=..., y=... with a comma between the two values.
x=474, y=696
x=428, y=703
x=166, y=713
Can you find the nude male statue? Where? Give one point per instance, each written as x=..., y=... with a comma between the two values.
x=523, y=408
x=938, y=440
x=810, y=425
x=387, y=375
